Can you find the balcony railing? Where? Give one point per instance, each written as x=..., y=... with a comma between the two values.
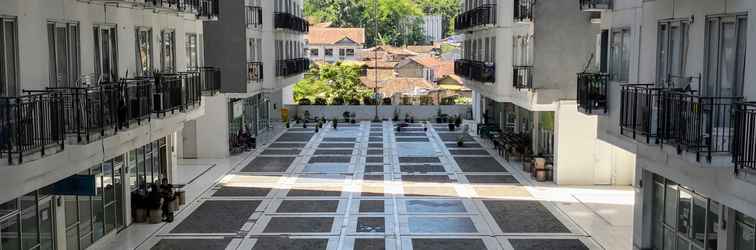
x=482, y=15
x=744, y=146
x=167, y=96
x=291, y=22
x=91, y=110
x=254, y=16
x=523, y=11
x=208, y=9
x=137, y=95
x=522, y=77
x=595, y=5
x=210, y=80
x=592, y=94
x=475, y=70
x=32, y=123
x=289, y=67
x=254, y=71
x=699, y=124
x=639, y=111
x=192, y=87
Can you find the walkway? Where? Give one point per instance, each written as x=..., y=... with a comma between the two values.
x=366, y=186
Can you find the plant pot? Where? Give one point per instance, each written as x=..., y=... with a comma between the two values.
x=156, y=216
x=181, y=197
x=287, y=125
x=460, y=144
x=140, y=215
x=353, y=121
x=451, y=127
x=439, y=120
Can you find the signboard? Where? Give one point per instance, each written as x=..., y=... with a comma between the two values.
x=83, y=185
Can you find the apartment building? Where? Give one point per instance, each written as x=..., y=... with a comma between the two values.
x=673, y=87
x=94, y=97
x=520, y=59
x=259, y=47
x=328, y=44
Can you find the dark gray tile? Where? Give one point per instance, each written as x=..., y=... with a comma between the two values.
x=375, y=139
x=554, y=244
x=448, y=244
x=269, y=164
x=295, y=137
x=454, y=136
x=333, y=152
x=466, y=145
x=192, y=244
x=415, y=129
x=285, y=243
x=308, y=129
x=372, y=177
x=371, y=206
x=371, y=225
x=217, y=217
x=422, y=168
x=374, y=159
x=339, y=139
x=411, y=134
x=299, y=225
x=241, y=191
x=281, y=152
x=308, y=206
x=376, y=130
x=376, y=134
x=287, y=145
x=441, y=225
x=336, y=145
x=469, y=152
x=374, y=168
x=412, y=139
x=419, y=160
x=369, y=244
x=330, y=159
x=427, y=178
x=522, y=216
x=479, y=164
x=375, y=152
x=375, y=145
x=311, y=193
x=435, y=206
x=493, y=179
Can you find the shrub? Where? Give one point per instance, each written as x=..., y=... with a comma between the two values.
x=320, y=101
x=354, y=102
x=304, y=101
x=387, y=101
x=338, y=101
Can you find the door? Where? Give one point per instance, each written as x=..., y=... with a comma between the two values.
x=725, y=55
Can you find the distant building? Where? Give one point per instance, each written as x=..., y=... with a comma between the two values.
x=330, y=45
x=433, y=28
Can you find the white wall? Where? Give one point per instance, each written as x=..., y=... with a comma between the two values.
x=212, y=129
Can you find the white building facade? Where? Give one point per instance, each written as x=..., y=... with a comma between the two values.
x=94, y=96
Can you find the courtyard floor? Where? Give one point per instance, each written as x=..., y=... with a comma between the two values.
x=367, y=186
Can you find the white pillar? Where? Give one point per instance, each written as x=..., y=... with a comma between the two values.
x=477, y=107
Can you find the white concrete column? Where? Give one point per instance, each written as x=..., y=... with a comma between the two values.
x=212, y=129
x=59, y=209
x=477, y=107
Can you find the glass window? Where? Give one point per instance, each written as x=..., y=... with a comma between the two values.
x=670, y=205
x=72, y=210
x=8, y=57
x=725, y=55
x=144, y=50
x=8, y=207
x=699, y=220
x=46, y=230
x=106, y=56
x=329, y=52
x=97, y=204
x=72, y=239
x=9, y=227
x=168, y=50
x=658, y=214
x=192, y=55
x=350, y=52
x=314, y=52
x=29, y=223
x=744, y=232
x=63, y=40
x=713, y=224
x=683, y=212
x=620, y=53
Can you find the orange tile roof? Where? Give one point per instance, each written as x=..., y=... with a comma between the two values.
x=403, y=86
x=320, y=35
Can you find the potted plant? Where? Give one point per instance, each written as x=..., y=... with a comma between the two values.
x=287, y=124
x=346, y=116
x=335, y=123
x=460, y=141
x=406, y=117
x=438, y=116
x=396, y=116
x=451, y=126
x=354, y=117
x=458, y=121
x=412, y=119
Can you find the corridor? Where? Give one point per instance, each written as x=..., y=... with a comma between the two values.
x=367, y=186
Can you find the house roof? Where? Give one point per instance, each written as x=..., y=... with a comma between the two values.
x=325, y=35
x=404, y=86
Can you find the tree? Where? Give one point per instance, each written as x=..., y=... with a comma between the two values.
x=338, y=81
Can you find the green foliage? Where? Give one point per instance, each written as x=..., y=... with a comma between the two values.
x=332, y=82
x=447, y=9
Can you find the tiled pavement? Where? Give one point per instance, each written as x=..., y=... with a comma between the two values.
x=370, y=187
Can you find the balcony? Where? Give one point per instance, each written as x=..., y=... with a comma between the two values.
x=697, y=124
x=291, y=22
x=523, y=11
x=290, y=67
x=595, y=5
x=592, y=93
x=208, y=9
x=744, y=145
x=91, y=110
x=479, y=16
x=522, y=77
x=475, y=70
x=210, y=80
x=176, y=92
x=639, y=111
x=254, y=71
x=31, y=123
x=254, y=16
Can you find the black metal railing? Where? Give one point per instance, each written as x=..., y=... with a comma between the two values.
x=639, y=112
x=254, y=16
x=479, y=16
x=208, y=9
x=291, y=22
x=191, y=87
x=291, y=67
x=595, y=5
x=204, y=9
x=91, y=110
x=475, y=70
x=592, y=94
x=137, y=95
x=254, y=71
x=523, y=11
x=210, y=80
x=744, y=145
x=699, y=124
x=167, y=95
x=522, y=77
x=32, y=123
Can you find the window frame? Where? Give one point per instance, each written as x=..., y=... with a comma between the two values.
x=738, y=89
x=164, y=50
x=665, y=58
x=144, y=70
x=71, y=55
x=9, y=82
x=192, y=62
x=619, y=71
x=99, y=54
